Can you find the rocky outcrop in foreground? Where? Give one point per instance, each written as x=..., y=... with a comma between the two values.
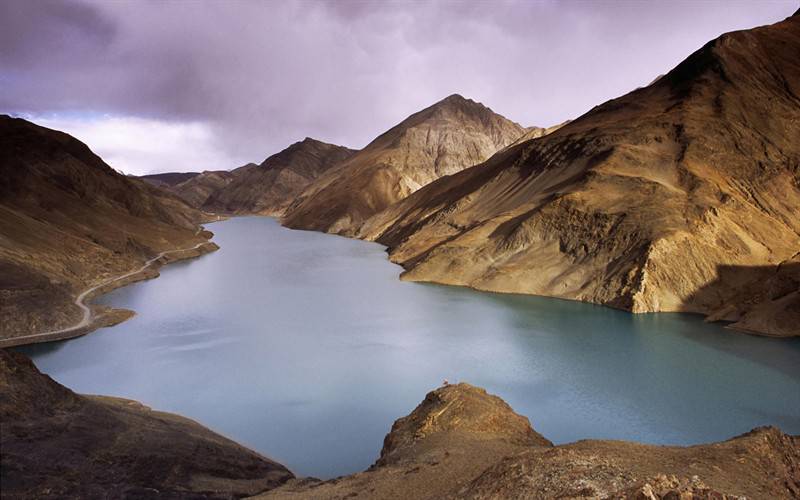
x=460, y=442
x=58, y=444
x=680, y=196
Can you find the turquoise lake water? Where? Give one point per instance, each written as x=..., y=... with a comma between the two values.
x=306, y=347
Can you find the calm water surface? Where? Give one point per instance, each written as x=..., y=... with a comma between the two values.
x=306, y=347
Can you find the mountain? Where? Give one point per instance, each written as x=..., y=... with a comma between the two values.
x=58, y=444
x=459, y=442
x=168, y=178
x=197, y=189
x=536, y=132
x=193, y=187
x=441, y=140
x=270, y=187
x=69, y=221
x=462, y=442
x=680, y=196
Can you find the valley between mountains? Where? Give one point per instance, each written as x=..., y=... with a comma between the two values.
x=682, y=196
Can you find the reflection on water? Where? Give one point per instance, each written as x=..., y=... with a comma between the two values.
x=306, y=347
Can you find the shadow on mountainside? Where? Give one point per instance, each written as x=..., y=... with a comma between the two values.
x=763, y=300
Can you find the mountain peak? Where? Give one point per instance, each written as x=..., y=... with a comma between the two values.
x=442, y=139
x=455, y=98
x=456, y=101
x=309, y=145
x=456, y=107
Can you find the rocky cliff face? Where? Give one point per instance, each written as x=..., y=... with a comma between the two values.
x=268, y=188
x=68, y=220
x=58, y=444
x=441, y=140
x=675, y=197
x=464, y=443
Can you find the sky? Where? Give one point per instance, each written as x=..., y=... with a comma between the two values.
x=156, y=86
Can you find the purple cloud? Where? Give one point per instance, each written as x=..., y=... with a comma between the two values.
x=261, y=75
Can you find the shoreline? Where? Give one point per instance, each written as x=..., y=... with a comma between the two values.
x=460, y=439
x=96, y=316
x=708, y=316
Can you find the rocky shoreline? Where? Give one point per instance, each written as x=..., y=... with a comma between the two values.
x=58, y=444
x=460, y=442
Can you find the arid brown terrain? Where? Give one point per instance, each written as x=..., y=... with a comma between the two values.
x=268, y=188
x=265, y=189
x=58, y=444
x=194, y=189
x=680, y=196
x=69, y=221
x=460, y=442
x=169, y=178
x=440, y=140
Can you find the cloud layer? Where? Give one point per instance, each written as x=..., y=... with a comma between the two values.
x=257, y=76
x=141, y=146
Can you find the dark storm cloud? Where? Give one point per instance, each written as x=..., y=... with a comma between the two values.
x=36, y=31
x=260, y=75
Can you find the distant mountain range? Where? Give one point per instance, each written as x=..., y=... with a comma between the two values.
x=265, y=189
x=316, y=185
x=450, y=136
x=680, y=196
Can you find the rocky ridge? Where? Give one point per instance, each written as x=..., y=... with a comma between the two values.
x=69, y=221
x=462, y=442
x=536, y=132
x=198, y=189
x=675, y=197
x=58, y=444
x=168, y=179
x=268, y=188
x=438, y=141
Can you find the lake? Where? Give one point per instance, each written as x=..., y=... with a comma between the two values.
x=306, y=347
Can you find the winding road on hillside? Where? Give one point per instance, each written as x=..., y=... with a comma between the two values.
x=80, y=300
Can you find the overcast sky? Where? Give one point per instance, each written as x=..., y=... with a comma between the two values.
x=189, y=85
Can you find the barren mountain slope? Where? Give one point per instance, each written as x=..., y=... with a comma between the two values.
x=269, y=188
x=639, y=204
x=58, y=444
x=536, y=132
x=199, y=188
x=168, y=178
x=443, y=139
x=461, y=442
x=67, y=220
